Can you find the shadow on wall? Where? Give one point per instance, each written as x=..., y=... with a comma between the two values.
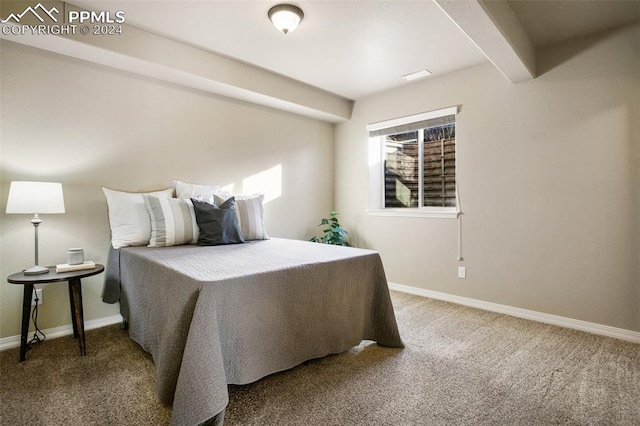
x=549, y=58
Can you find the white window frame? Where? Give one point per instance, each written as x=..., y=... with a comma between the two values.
x=376, y=170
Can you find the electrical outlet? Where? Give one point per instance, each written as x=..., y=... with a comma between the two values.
x=36, y=292
x=462, y=272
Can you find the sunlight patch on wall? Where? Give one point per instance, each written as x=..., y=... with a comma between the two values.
x=267, y=182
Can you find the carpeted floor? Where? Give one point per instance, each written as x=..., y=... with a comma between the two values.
x=460, y=366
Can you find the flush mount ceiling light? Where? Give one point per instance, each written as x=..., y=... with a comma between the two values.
x=285, y=17
x=416, y=75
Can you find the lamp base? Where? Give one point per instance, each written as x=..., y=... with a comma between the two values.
x=36, y=270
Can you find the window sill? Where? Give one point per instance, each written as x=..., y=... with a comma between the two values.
x=444, y=213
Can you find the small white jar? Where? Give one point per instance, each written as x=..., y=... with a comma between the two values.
x=75, y=256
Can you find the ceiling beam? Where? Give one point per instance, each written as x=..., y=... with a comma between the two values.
x=147, y=54
x=495, y=29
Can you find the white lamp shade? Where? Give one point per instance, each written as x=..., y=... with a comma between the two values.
x=35, y=198
x=285, y=17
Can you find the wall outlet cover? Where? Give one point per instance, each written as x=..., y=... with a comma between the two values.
x=462, y=272
x=38, y=292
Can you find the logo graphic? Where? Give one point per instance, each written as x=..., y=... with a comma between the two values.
x=54, y=22
x=34, y=12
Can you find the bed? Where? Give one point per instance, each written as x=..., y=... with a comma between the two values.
x=218, y=315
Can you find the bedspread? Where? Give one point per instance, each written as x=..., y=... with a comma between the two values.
x=212, y=316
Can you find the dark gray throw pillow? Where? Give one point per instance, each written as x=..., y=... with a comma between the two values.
x=218, y=224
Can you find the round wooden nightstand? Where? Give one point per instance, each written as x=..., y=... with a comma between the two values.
x=75, y=300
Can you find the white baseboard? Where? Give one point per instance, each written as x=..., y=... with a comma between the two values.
x=590, y=327
x=65, y=330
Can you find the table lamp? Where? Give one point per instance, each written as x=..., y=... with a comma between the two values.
x=35, y=198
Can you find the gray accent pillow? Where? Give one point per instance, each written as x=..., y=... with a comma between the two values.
x=218, y=224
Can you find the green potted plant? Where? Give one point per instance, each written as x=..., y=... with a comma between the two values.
x=333, y=232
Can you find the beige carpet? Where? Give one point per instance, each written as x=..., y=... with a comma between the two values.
x=460, y=366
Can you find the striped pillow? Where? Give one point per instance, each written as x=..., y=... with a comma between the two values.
x=173, y=221
x=250, y=215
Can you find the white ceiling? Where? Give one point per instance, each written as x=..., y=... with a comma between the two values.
x=355, y=48
x=350, y=48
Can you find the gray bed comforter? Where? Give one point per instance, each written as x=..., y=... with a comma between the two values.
x=212, y=316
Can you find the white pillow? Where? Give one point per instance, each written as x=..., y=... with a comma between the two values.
x=128, y=217
x=250, y=214
x=200, y=192
x=173, y=221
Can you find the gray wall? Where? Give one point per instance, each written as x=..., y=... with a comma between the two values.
x=549, y=184
x=548, y=172
x=87, y=126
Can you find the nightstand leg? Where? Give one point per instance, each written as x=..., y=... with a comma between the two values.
x=73, y=310
x=78, y=314
x=26, y=313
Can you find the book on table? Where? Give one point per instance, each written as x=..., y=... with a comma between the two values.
x=65, y=267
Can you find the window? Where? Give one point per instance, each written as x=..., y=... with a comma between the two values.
x=413, y=164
